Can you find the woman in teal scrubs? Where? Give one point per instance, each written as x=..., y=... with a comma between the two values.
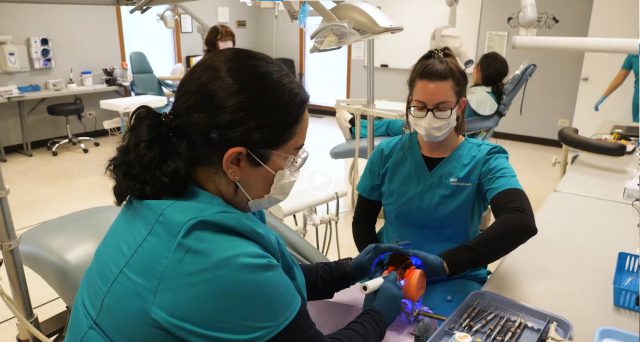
x=189, y=257
x=630, y=64
x=435, y=185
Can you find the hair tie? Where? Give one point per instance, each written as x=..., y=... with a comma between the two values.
x=434, y=53
x=168, y=122
x=167, y=118
x=438, y=53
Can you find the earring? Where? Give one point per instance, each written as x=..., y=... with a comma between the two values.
x=233, y=176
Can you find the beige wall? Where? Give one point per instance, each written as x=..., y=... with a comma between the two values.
x=83, y=38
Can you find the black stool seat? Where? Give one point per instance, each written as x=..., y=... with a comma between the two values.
x=65, y=109
x=68, y=109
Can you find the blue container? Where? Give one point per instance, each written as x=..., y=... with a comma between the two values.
x=607, y=333
x=537, y=320
x=626, y=282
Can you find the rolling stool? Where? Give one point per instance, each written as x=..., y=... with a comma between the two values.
x=67, y=110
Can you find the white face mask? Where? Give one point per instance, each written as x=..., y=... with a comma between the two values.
x=283, y=182
x=431, y=128
x=225, y=45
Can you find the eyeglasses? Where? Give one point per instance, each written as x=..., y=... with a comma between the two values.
x=442, y=113
x=292, y=163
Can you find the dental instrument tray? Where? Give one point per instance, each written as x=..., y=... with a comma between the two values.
x=487, y=316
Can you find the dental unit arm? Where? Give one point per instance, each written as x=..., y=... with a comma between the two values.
x=527, y=39
x=440, y=38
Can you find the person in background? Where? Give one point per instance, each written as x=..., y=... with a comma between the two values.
x=219, y=37
x=486, y=91
x=630, y=64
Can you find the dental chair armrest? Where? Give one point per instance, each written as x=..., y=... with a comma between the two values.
x=569, y=136
x=169, y=86
x=481, y=123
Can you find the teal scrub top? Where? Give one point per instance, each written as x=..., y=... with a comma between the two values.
x=631, y=63
x=192, y=268
x=381, y=128
x=439, y=209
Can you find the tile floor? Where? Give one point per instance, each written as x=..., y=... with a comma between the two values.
x=44, y=187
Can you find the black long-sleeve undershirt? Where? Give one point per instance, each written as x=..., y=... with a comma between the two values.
x=514, y=224
x=323, y=280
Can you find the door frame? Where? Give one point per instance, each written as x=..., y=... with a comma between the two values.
x=301, y=74
x=177, y=42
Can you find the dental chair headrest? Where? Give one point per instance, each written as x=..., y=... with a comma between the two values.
x=140, y=63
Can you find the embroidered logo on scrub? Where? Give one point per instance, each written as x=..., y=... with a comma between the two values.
x=460, y=182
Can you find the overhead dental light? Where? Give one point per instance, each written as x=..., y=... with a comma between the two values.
x=450, y=38
x=169, y=16
x=347, y=23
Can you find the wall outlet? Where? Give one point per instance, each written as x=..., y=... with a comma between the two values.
x=563, y=122
x=91, y=114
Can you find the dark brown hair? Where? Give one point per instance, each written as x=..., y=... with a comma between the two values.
x=494, y=68
x=220, y=103
x=218, y=33
x=440, y=65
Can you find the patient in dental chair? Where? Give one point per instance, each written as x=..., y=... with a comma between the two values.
x=486, y=91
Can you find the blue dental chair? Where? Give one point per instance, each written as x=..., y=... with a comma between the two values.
x=60, y=251
x=482, y=127
x=145, y=81
x=346, y=149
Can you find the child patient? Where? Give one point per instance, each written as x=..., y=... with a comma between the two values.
x=485, y=94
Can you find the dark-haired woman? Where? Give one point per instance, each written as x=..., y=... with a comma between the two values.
x=219, y=37
x=189, y=257
x=485, y=94
x=435, y=185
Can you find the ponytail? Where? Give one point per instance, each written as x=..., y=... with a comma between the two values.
x=152, y=161
x=498, y=91
x=494, y=68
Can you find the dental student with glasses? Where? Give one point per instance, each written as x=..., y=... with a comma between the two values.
x=435, y=185
x=189, y=257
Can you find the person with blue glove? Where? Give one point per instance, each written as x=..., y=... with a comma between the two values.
x=630, y=64
x=435, y=185
x=600, y=101
x=387, y=299
x=189, y=256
